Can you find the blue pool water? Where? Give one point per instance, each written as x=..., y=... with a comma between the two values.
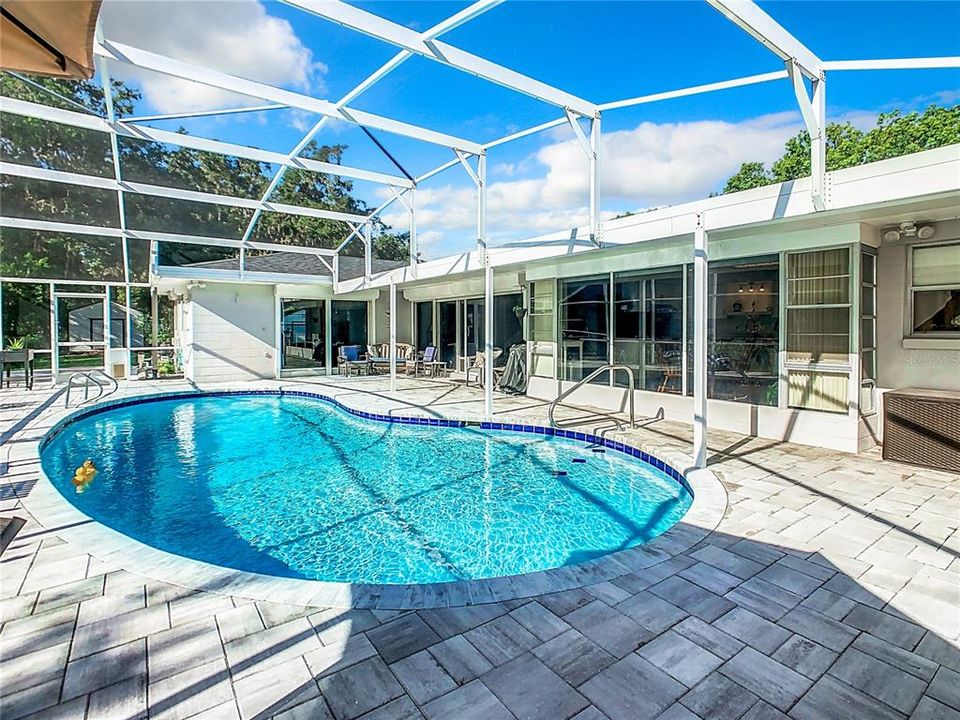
x=296, y=487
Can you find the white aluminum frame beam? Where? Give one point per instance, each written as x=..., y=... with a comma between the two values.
x=929, y=63
x=137, y=57
x=695, y=90
x=112, y=232
x=814, y=111
x=488, y=341
x=801, y=63
x=700, y=344
x=203, y=113
x=591, y=147
x=391, y=32
x=37, y=173
x=143, y=132
x=750, y=18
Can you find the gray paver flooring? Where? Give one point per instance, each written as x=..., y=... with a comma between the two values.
x=830, y=590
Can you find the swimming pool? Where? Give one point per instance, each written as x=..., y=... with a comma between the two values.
x=297, y=487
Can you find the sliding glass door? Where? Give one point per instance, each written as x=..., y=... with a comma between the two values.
x=303, y=334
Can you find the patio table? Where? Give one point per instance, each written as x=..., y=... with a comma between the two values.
x=22, y=357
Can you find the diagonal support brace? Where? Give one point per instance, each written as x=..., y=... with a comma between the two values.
x=814, y=112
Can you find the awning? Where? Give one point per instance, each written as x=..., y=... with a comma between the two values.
x=48, y=37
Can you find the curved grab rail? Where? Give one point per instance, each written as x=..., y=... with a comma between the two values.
x=602, y=369
x=110, y=379
x=90, y=377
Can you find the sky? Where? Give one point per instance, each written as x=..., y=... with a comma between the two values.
x=652, y=155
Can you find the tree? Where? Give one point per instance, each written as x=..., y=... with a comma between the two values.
x=750, y=175
x=895, y=134
x=33, y=142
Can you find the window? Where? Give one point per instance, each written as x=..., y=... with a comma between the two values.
x=935, y=289
x=348, y=324
x=818, y=306
x=584, y=335
x=507, y=323
x=303, y=344
x=648, y=330
x=743, y=330
x=423, y=318
x=542, y=337
x=868, y=332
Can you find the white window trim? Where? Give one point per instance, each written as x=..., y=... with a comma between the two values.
x=937, y=340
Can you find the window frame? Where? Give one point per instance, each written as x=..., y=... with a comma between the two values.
x=852, y=305
x=909, y=330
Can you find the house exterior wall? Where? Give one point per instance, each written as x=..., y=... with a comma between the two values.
x=835, y=430
x=904, y=361
x=378, y=322
x=229, y=333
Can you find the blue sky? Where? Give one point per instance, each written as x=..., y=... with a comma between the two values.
x=655, y=154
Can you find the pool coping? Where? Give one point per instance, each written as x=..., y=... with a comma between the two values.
x=56, y=513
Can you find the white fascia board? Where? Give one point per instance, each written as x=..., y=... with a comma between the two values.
x=928, y=173
x=213, y=78
x=894, y=64
x=68, y=178
x=142, y=132
x=750, y=18
x=186, y=272
x=391, y=32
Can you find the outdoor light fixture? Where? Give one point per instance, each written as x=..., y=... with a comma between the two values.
x=909, y=229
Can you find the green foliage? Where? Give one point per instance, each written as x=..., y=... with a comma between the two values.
x=895, y=134
x=33, y=142
x=750, y=175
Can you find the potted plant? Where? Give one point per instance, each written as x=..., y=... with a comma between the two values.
x=16, y=351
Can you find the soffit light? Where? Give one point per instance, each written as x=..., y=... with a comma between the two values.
x=909, y=229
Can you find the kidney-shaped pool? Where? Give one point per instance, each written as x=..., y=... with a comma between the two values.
x=295, y=486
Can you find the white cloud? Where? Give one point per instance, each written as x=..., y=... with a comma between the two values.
x=234, y=36
x=650, y=165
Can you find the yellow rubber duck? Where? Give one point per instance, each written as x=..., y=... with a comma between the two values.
x=84, y=475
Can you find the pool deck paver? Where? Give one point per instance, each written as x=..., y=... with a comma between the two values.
x=830, y=589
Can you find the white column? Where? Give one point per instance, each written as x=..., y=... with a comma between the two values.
x=488, y=340
x=414, y=245
x=54, y=336
x=328, y=333
x=700, y=345
x=367, y=251
x=393, y=337
x=482, y=202
x=818, y=145
x=106, y=330
x=595, y=180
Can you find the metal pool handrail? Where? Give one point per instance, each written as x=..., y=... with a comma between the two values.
x=602, y=369
x=90, y=377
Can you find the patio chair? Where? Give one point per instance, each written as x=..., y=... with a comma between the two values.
x=350, y=361
x=426, y=363
x=477, y=367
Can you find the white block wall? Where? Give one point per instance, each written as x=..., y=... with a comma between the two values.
x=229, y=333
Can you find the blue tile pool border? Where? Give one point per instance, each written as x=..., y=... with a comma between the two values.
x=576, y=436
x=52, y=510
